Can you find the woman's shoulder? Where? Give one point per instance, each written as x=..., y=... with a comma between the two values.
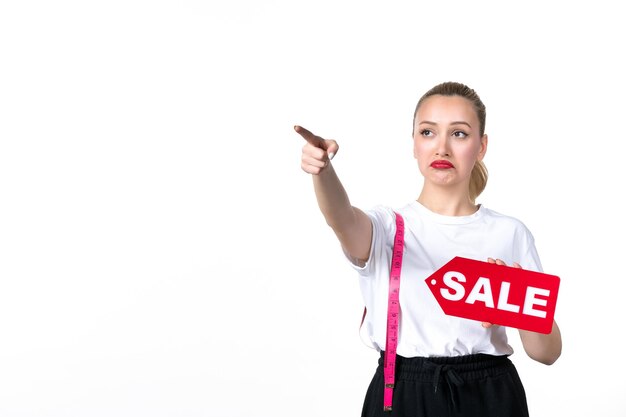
x=504, y=220
x=386, y=214
x=381, y=214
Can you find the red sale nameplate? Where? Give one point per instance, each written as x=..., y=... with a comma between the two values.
x=495, y=293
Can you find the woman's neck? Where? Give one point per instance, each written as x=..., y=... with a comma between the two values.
x=445, y=202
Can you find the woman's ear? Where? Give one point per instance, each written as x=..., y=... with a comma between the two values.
x=483, y=147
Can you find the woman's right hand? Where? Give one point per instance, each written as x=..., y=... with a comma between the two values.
x=317, y=152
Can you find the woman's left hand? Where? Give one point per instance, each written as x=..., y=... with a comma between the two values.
x=486, y=324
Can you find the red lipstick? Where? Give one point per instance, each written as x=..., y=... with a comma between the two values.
x=441, y=164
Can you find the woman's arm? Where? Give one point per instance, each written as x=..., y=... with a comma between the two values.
x=544, y=348
x=351, y=225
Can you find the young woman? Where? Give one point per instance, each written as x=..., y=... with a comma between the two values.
x=445, y=365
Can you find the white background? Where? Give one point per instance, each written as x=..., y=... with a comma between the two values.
x=161, y=252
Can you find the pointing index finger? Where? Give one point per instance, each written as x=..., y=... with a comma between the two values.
x=308, y=136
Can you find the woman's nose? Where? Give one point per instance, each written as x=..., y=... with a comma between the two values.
x=442, y=148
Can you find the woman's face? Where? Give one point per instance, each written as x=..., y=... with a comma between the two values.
x=446, y=140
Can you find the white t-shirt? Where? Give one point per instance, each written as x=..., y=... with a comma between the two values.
x=432, y=240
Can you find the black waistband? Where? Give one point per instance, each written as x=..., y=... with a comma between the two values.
x=468, y=367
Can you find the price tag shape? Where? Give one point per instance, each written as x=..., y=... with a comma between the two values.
x=497, y=294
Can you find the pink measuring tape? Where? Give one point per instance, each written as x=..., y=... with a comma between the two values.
x=393, y=314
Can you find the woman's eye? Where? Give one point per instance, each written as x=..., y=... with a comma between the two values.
x=426, y=132
x=459, y=134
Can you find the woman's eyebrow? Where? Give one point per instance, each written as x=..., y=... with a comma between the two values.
x=461, y=123
x=428, y=122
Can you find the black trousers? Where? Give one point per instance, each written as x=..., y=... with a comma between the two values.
x=468, y=386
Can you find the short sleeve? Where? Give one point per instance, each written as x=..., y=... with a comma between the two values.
x=383, y=227
x=529, y=257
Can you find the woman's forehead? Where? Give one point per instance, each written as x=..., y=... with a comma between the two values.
x=446, y=109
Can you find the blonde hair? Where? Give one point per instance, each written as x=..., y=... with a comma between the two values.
x=478, y=178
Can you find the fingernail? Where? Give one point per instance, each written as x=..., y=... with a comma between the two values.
x=331, y=155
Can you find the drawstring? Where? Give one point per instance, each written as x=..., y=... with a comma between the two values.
x=448, y=374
